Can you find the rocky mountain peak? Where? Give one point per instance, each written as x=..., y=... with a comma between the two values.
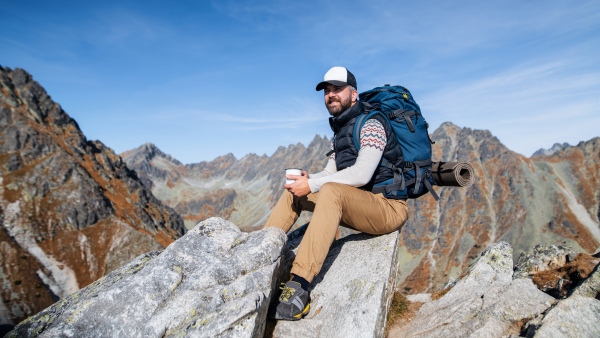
x=465, y=144
x=147, y=152
x=317, y=141
x=546, y=152
x=56, y=189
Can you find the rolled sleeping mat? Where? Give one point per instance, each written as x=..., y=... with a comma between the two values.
x=453, y=174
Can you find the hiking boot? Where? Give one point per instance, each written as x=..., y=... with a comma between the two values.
x=294, y=302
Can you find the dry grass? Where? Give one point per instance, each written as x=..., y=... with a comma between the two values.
x=398, y=309
x=558, y=282
x=439, y=294
x=404, y=314
x=402, y=311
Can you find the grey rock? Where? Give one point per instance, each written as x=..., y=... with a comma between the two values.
x=449, y=284
x=542, y=259
x=351, y=295
x=590, y=287
x=14, y=163
x=214, y=281
x=486, y=302
x=531, y=326
x=5, y=117
x=576, y=316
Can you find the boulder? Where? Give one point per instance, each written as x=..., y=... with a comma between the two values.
x=542, y=259
x=352, y=294
x=214, y=281
x=576, y=316
x=485, y=302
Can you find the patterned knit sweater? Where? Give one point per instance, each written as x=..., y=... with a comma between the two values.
x=372, y=144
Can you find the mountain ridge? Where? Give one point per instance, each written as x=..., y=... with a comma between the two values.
x=70, y=209
x=211, y=188
x=526, y=201
x=556, y=147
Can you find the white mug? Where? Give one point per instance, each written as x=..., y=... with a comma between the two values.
x=292, y=171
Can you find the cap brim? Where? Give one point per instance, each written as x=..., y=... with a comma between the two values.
x=333, y=82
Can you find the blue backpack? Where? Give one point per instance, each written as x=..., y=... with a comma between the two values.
x=403, y=114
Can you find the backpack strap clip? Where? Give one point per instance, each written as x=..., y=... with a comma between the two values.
x=429, y=187
x=411, y=126
x=406, y=115
x=399, y=183
x=416, y=165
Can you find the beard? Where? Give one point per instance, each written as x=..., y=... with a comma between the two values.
x=338, y=109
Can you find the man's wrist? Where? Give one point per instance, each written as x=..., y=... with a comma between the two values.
x=312, y=185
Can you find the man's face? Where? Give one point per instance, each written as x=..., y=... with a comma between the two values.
x=338, y=99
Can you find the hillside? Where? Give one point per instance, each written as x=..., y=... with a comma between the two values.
x=70, y=209
x=242, y=191
x=547, y=200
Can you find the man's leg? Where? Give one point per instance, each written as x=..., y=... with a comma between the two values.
x=362, y=210
x=294, y=298
x=288, y=209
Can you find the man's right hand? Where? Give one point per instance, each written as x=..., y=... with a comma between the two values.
x=300, y=187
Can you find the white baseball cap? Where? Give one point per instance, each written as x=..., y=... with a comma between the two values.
x=338, y=76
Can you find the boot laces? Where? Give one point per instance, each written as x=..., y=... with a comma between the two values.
x=286, y=292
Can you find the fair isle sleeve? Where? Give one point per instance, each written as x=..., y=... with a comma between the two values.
x=373, y=135
x=372, y=143
x=330, y=168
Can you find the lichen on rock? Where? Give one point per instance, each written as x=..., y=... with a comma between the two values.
x=352, y=294
x=485, y=302
x=215, y=279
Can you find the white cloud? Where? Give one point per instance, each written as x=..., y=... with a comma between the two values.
x=528, y=107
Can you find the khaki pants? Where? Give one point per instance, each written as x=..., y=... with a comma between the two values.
x=335, y=204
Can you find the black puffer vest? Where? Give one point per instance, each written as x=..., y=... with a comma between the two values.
x=346, y=152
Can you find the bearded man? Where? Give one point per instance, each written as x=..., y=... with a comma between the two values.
x=340, y=194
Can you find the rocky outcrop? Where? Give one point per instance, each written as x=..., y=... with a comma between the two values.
x=352, y=294
x=489, y=300
x=576, y=281
x=218, y=281
x=70, y=209
x=486, y=302
x=215, y=281
x=576, y=316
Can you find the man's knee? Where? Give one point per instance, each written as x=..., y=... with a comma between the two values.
x=332, y=189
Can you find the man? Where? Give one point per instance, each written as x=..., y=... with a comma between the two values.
x=340, y=194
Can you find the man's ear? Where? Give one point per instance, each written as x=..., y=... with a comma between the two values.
x=354, y=96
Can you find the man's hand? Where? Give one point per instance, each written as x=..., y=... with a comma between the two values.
x=299, y=188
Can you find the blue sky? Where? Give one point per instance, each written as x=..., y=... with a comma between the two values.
x=204, y=78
